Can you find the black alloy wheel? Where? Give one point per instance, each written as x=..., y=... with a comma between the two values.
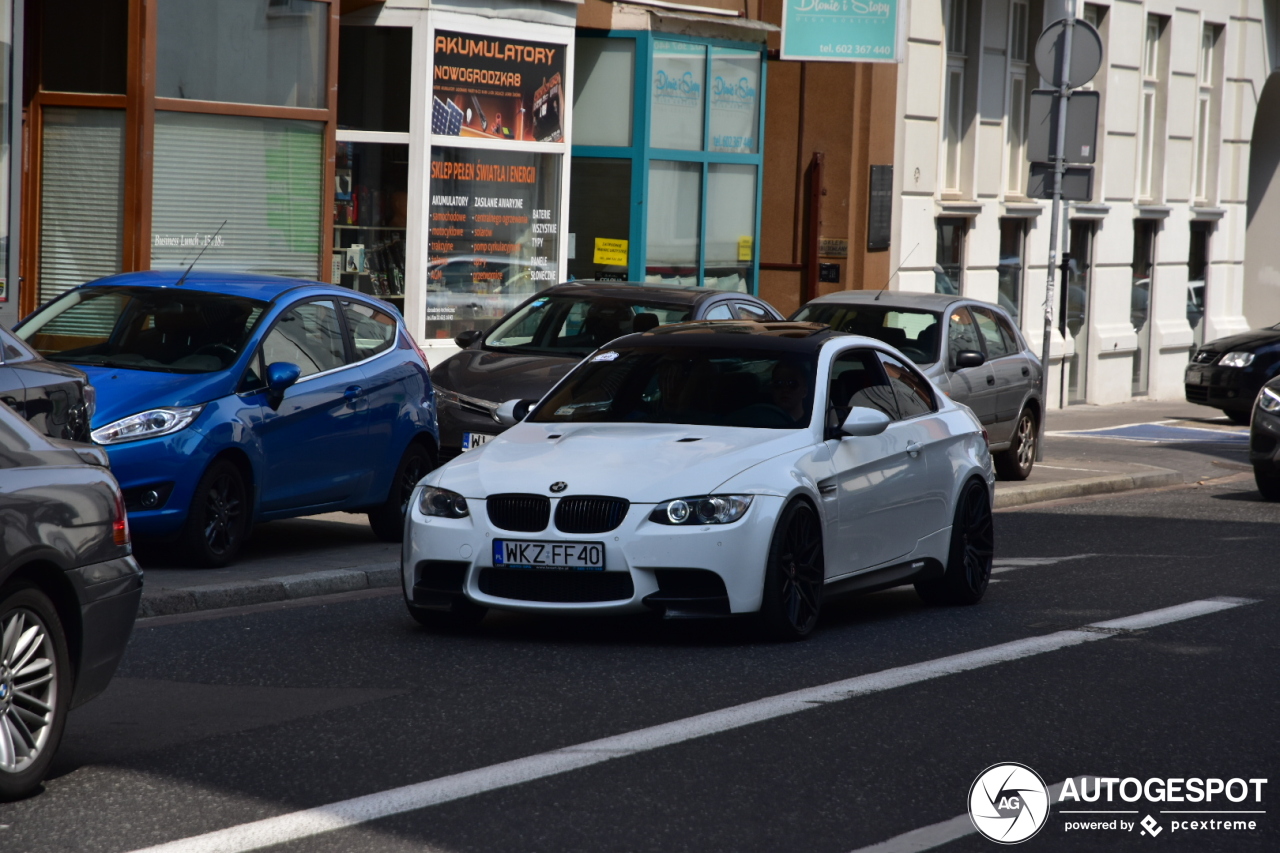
x=1268, y=479
x=1016, y=462
x=387, y=520
x=968, y=571
x=218, y=519
x=794, y=575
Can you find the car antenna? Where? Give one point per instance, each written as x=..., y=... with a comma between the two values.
x=183, y=278
x=895, y=272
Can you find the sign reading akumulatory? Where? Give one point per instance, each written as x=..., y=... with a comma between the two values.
x=841, y=30
x=494, y=234
x=492, y=88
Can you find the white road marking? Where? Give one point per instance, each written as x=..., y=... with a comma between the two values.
x=1011, y=563
x=938, y=834
x=348, y=813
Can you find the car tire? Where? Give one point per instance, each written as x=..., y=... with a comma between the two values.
x=1239, y=417
x=1268, y=480
x=1016, y=462
x=968, y=571
x=36, y=681
x=387, y=520
x=218, y=520
x=793, y=576
x=462, y=615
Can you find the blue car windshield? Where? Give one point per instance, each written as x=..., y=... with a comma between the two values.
x=144, y=328
x=764, y=389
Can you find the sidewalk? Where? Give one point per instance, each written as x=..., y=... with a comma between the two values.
x=337, y=553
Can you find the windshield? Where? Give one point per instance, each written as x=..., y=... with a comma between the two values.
x=144, y=328
x=914, y=333
x=577, y=325
x=686, y=385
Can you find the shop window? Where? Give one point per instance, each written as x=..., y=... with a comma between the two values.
x=494, y=235
x=81, y=197
x=243, y=51
x=1197, y=268
x=1075, y=310
x=262, y=176
x=603, y=92
x=84, y=46
x=948, y=270
x=1009, y=270
x=675, y=212
x=731, y=222
x=370, y=206
x=679, y=77
x=374, y=71
x=735, y=100
x=600, y=218
x=1140, y=292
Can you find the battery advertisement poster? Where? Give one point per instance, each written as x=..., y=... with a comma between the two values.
x=494, y=88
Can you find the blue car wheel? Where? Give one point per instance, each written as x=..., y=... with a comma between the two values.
x=387, y=520
x=218, y=519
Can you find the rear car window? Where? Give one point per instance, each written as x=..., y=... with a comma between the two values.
x=372, y=331
x=913, y=332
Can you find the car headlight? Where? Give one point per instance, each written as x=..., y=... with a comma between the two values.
x=1269, y=401
x=149, y=424
x=704, y=509
x=1236, y=359
x=442, y=503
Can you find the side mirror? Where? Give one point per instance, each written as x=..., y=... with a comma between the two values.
x=863, y=421
x=969, y=358
x=280, y=375
x=512, y=412
x=467, y=338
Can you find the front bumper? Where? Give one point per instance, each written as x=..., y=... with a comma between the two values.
x=454, y=556
x=172, y=466
x=455, y=419
x=109, y=594
x=1221, y=387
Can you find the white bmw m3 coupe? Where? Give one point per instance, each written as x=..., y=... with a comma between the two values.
x=709, y=469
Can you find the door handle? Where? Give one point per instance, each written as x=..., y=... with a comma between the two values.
x=1026, y=371
x=352, y=393
x=914, y=448
x=991, y=379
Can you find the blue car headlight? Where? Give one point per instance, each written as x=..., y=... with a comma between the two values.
x=704, y=509
x=1236, y=359
x=442, y=503
x=1269, y=401
x=149, y=424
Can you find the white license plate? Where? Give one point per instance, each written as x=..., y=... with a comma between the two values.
x=472, y=440
x=567, y=556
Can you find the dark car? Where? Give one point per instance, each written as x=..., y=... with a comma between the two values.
x=227, y=399
x=56, y=398
x=531, y=348
x=971, y=350
x=69, y=592
x=1228, y=373
x=1264, y=440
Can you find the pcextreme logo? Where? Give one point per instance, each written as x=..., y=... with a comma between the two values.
x=1008, y=803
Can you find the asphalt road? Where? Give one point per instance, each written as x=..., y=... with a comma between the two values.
x=216, y=722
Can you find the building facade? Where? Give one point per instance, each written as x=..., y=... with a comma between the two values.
x=1157, y=255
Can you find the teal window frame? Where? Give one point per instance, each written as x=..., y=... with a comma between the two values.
x=640, y=153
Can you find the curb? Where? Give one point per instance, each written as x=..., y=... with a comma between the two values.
x=169, y=602
x=1012, y=496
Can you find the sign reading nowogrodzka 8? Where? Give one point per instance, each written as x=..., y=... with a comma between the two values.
x=496, y=88
x=1010, y=803
x=842, y=30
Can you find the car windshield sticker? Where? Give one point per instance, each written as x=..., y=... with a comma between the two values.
x=605, y=356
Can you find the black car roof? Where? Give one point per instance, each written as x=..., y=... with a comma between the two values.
x=638, y=290
x=785, y=335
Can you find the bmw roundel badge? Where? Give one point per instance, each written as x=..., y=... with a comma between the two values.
x=559, y=486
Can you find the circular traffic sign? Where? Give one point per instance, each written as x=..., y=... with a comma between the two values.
x=1086, y=53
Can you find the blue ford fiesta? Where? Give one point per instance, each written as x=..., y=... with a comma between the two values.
x=226, y=399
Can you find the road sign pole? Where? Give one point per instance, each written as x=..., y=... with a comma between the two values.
x=1059, y=167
